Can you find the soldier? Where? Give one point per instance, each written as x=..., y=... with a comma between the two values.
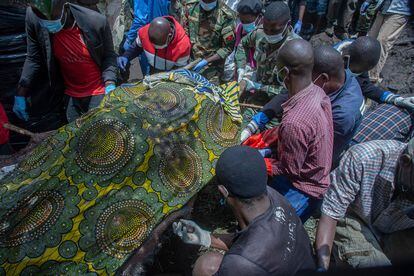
x=210, y=26
x=267, y=39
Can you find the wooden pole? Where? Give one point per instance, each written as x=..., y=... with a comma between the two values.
x=251, y=106
x=19, y=130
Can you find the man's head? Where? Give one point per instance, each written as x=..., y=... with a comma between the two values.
x=160, y=32
x=52, y=14
x=328, y=71
x=208, y=5
x=242, y=177
x=295, y=59
x=275, y=21
x=249, y=11
x=405, y=172
x=364, y=54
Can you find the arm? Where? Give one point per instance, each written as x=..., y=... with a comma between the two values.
x=302, y=8
x=33, y=61
x=240, y=56
x=274, y=107
x=324, y=239
x=133, y=51
x=140, y=19
x=228, y=38
x=109, y=59
x=223, y=241
x=370, y=90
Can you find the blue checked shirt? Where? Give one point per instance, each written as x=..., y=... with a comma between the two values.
x=364, y=184
x=385, y=122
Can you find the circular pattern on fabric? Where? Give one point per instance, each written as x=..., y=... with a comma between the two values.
x=104, y=147
x=220, y=126
x=37, y=157
x=31, y=218
x=68, y=249
x=180, y=169
x=123, y=226
x=162, y=101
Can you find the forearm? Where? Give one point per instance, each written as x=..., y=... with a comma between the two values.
x=325, y=235
x=22, y=91
x=302, y=9
x=222, y=241
x=213, y=58
x=133, y=51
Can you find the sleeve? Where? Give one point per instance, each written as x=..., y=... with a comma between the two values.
x=109, y=67
x=370, y=90
x=228, y=38
x=32, y=64
x=272, y=89
x=133, y=51
x=233, y=264
x=242, y=49
x=345, y=185
x=292, y=149
x=344, y=125
x=274, y=107
x=140, y=19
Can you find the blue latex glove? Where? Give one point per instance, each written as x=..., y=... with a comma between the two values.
x=19, y=108
x=261, y=119
x=298, y=27
x=126, y=45
x=122, y=62
x=109, y=88
x=266, y=153
x=364, y=7
x=200, y=65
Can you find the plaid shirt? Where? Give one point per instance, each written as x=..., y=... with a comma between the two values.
x=385, y=122
x=364, y=184
x=305, y=141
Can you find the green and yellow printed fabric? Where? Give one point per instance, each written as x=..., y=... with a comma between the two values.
x=89, y=195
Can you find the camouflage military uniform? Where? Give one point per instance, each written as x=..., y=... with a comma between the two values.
x=210, y=33
x=266, y=59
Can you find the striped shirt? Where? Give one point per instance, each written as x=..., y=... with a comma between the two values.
x=306, y=141
x=384, y=122
x=364, y=184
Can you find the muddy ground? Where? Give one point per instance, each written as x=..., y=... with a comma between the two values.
x=176, y=258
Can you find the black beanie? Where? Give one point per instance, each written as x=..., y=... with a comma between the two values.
x=242, y=171
x=250, y=7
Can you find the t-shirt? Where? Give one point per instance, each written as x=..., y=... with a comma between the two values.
x=82, y=76
x=274, y=243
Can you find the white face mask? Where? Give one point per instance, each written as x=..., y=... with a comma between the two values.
x=279, y=80
x=273, y=39
x=159, y=47
x=208, y=6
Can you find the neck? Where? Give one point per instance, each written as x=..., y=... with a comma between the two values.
x=337, y=83
x=248, y=213
x=298, y=84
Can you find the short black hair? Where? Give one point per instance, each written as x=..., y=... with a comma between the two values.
x=365, y=51
x=277, y=11
x=328, y=60
x=254, y=7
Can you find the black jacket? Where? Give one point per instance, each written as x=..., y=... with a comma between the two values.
x=40, y=63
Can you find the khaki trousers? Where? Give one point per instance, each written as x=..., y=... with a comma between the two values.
x=387, y=29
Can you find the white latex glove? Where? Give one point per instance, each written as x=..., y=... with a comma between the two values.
x=191, y=233
x=251, y=85
x=240, y=73
x=250, y=129
x=407, y=103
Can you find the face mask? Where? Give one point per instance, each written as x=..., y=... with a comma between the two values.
x=279, y=79
x=159, y=47
x=354, y=74
x=323, y=85
x=249, y=27
x=53, y=26
x=273, y=39
x=208, y=6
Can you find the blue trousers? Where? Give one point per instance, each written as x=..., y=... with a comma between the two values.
x=304, y=204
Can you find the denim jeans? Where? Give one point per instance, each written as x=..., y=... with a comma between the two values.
x=301, y=202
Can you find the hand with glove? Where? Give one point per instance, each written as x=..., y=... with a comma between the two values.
x=240, y=74
x=191, y=233
x=251, y=85
x=298, y=27
x=258, y=121
x=407, y=103
x=19, y=108
x=122, y=62
x=364, y=7
x=200, y=66
x=109, y=88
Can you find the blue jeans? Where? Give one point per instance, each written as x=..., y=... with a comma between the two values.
x=303, y=204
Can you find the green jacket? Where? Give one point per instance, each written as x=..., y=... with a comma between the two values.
x=265, y=56
x=221, y=38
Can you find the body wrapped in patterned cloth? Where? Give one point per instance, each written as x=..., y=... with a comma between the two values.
x=91, y=194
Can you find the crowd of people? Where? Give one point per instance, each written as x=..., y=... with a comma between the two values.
x=329, y=156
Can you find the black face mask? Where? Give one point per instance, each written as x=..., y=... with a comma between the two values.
x=405, y=173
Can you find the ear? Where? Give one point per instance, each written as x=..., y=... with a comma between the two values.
x=223, y=191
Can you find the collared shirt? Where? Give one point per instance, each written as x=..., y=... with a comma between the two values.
x=364, y=184
x=347, y=105
x=278, y=233
x=385, y=122
x=265, y=55
x=305, y=141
